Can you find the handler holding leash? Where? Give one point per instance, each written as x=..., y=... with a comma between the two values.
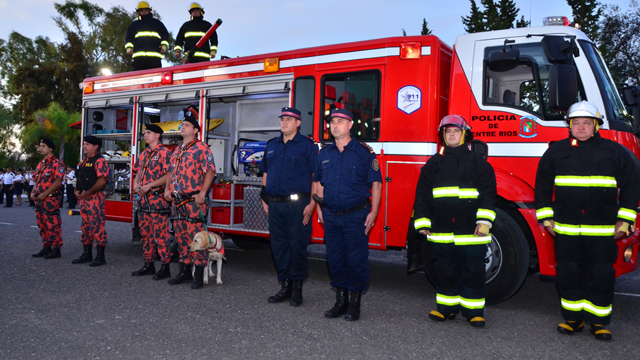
x=290, y=160
x=153, y=210
x=191, y=173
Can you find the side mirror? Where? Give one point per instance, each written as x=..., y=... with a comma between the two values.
x=504, y=61
x=563, y=86
x=631, y=95
x=557, y=49
x=480, y=147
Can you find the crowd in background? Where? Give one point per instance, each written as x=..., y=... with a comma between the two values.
x=21, y=182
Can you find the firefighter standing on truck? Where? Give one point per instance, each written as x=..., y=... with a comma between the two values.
x=455, y=208
x=153, y=210
x=191, y=173
x=289, y=162
x=597, y=189
x=147, y=39
x=191, y=32
x=47, y=197
x=91, y=177
x=347, y=174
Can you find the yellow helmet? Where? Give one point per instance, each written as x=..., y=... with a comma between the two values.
x=143, y=5
x=195, y=5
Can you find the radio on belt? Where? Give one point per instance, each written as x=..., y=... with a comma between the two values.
x=250, y=154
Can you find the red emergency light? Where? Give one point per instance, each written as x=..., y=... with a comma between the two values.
x=411, y=50
x=556, y=20
x=167, y=77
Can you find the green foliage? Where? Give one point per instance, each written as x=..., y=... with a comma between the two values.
x=495, y=16
x=522, y=23
x=404, y=33
x=586, y=13
x=475, y=21
x=620, y=42
x=425, y=28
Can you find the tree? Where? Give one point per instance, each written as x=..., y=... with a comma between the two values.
x=425, y=28
x=495, y=16
x=522, y=23
x=586, y=13
x=404, y=33
x=475, y=21
x=620, y=42
x=52, y=122
x=508, y=14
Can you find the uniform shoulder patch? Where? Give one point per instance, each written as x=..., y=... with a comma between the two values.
x=375, y=165
x=368, y=147
x=312, y=139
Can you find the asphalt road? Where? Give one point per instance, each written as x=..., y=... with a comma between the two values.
x=51, y=309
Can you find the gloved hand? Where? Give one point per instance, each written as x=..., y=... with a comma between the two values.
x=481, y=230
x=213, y=53
x=163, y=49
x=622, y=228
x=129, y=51
x=549, y=224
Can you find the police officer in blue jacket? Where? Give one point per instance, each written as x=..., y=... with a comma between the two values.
x=347, y=174
x=287, y=167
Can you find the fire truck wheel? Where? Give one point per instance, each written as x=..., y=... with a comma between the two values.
x=249, y=243
x=506, y=260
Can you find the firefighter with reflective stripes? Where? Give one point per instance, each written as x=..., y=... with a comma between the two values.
x=587, y=193
x=147, y=39
x=455, y=209
x=191, y=32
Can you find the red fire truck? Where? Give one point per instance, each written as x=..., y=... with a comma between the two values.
x=512, y=85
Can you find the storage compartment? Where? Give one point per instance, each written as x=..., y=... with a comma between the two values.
x=254, y=216
x=223, y=192
x=222, y=215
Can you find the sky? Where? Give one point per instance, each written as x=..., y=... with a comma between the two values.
x=253, y=27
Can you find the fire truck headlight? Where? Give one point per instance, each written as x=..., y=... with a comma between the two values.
x=88, y=87
x=271, y=65
x=628, y=253
x=410, y=50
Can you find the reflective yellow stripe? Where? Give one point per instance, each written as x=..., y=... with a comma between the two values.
x=148, y=33
x=627, y=214
x=194, y=33
x=447, y=300
x=176, y=48
x=128, y=45
x=422, y=223
x=544, y=213
x=586, y=305
x=464, y=193
x=148, y=53
x=164, y=42
x=214, y=48
x=586, y=181
x=472, y=303
x=201, y=54
x=585, y=230
x=449, y=238
x=486, y=214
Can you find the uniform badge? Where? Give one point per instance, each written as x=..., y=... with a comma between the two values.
x=375, y=165
x=210, y=158
x=61, y=169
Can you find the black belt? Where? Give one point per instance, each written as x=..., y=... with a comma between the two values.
x=363, y=205
x=154, y=211
x=292, y=197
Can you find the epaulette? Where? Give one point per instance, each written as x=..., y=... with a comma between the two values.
x=312, y=139
x=272, y=139
x=368, y=147
x=325, y=146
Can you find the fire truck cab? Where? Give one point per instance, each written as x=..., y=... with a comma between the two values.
x=512, y=86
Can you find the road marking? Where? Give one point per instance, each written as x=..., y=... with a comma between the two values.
x=626, y=294
x=34, y=226
x=3, y=223
x=321, y=259
x=79, y=232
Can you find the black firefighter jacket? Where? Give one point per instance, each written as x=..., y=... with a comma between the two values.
x=191, y=32
x=145, y=36
x=456, y=189
x=586, y=177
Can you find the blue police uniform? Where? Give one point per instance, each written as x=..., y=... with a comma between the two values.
x=347, y=178
x=289, y=167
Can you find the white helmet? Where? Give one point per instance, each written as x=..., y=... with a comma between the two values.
x=584, y=109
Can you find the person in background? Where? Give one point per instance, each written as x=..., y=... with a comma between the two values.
x=70, y=180
x=18, y=185
x=7, y=188
x=31, y=183
x=191, y=32
x=147, y=39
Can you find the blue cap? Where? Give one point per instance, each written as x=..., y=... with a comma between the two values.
x=288, y=111
x=342, y=113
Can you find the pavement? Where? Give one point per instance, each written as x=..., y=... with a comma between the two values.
x=51, y=309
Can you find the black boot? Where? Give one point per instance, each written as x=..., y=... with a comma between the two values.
x=163, y=273
x=283, y=294
x=86, y=256
x=341, y=305
x=99, y=260
x=183, y=275
x=353, y=313
x=54, y=254
x=198, y=278
x=44, y=251
x=296, y=294
x=148, y=269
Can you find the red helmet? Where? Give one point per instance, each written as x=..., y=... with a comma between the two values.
x=458, y=121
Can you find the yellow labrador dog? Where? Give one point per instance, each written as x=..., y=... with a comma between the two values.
x=213, y=242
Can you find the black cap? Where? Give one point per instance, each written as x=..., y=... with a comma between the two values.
x=93, y=140
x=342, y=113
x=190, y=117
x=155, y=128
x=288, y=111
x=48, y=142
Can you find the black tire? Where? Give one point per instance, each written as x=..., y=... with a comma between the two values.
x=249, y=243
x=507, y=259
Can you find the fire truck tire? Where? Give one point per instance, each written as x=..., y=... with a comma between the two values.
x=507, y=260
x=249, y=243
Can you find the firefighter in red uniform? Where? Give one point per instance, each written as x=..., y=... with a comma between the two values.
x=587, y=193
x=91, y=177
x=153, y=210
x=147, y=39
x=455, y=209
x=191, y=32
x=191, y=173
x=47, y=195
